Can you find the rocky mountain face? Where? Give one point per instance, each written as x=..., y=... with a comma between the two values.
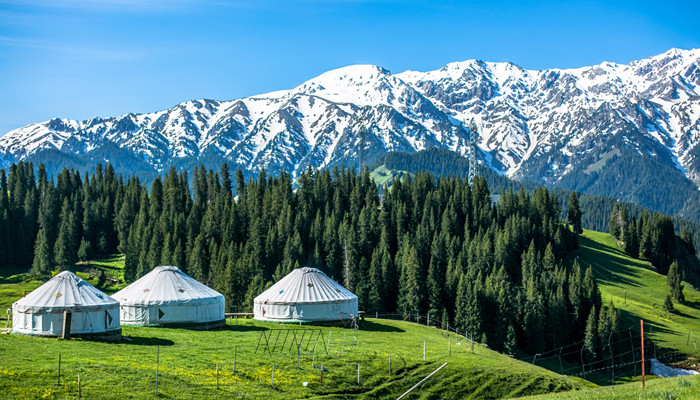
x=629, y=131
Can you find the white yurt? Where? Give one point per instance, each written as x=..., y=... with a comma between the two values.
x=305, y=295
x=41, y=311
x=167, y=296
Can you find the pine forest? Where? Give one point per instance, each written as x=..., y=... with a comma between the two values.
x=500, y=271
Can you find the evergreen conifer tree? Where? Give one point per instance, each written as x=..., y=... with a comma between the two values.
x=668, y=303
x=574, y=214
x=590, y=343
x=674, y=280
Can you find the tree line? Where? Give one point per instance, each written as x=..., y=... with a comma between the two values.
x=430, y=245
x=652, y=238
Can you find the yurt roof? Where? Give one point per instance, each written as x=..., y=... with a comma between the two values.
x=305, y=286
x=166, y=285
x=65, y=290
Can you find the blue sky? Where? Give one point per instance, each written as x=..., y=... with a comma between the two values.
x=83, y=58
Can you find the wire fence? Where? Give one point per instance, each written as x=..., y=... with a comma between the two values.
x=342, y=370
x=616, y=363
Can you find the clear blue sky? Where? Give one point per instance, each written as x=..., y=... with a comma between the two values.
x=83, y=58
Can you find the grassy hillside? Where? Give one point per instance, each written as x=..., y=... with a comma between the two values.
x=656, y=388
x=188, y=362
x=636, y=288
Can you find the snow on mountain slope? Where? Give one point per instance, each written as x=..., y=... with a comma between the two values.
x=523, y=115
x=540, y=125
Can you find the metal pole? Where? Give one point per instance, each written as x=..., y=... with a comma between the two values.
x=641, y=324
x=272, y=380
x=612, y=361
x=234, y=359
x=217, y=376
x=321, y=374
x=298, y=356
x=358, y=373
x=389, y=365
x=343, y=347
x=422, y=380
x=424, y=351
x=157, y=361
x=634, y=358
x=427, y=322
x=59, y=370
x=79, y=393
x=561, y=366
x=313, y=361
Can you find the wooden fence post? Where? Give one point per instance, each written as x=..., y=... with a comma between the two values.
x=157, y=362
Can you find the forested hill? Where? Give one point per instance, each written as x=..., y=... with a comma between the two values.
x=435, y=246
x=596, y=210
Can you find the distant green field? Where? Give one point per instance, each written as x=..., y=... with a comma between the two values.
x=382, y=175
x=595, y=167
x=13, y=287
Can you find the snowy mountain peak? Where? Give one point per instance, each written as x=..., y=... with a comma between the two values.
x=547, y=125
x=359, y=84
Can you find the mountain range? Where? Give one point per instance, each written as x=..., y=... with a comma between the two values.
x=627, y=131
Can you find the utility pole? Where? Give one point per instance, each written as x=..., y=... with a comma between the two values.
x=473, y=162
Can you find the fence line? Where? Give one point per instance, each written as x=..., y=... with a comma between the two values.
x=556, y=352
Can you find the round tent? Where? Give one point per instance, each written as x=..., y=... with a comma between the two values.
x=41, y=311
x=167, y=296
x=305, y=295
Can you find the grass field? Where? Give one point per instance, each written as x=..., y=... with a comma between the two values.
x=683, y=388
x=188, y=359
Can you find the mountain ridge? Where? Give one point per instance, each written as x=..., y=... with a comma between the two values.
x=554, y=126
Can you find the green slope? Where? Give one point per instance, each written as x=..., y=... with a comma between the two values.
x=656, y=388
x=636, y=288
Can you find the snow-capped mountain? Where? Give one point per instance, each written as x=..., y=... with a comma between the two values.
x=522, y=115
x=553, y=126
x=319, y=123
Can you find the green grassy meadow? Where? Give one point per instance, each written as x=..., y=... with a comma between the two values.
x=188, y=359
x=656, y=389
x=635, y=287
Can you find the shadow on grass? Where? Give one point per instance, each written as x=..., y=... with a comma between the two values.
x=630, y=321
x=681, y=314
x=692, y=304
x=146, y=341
x=244, y=328
x=371, y=326
x=610, y=265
